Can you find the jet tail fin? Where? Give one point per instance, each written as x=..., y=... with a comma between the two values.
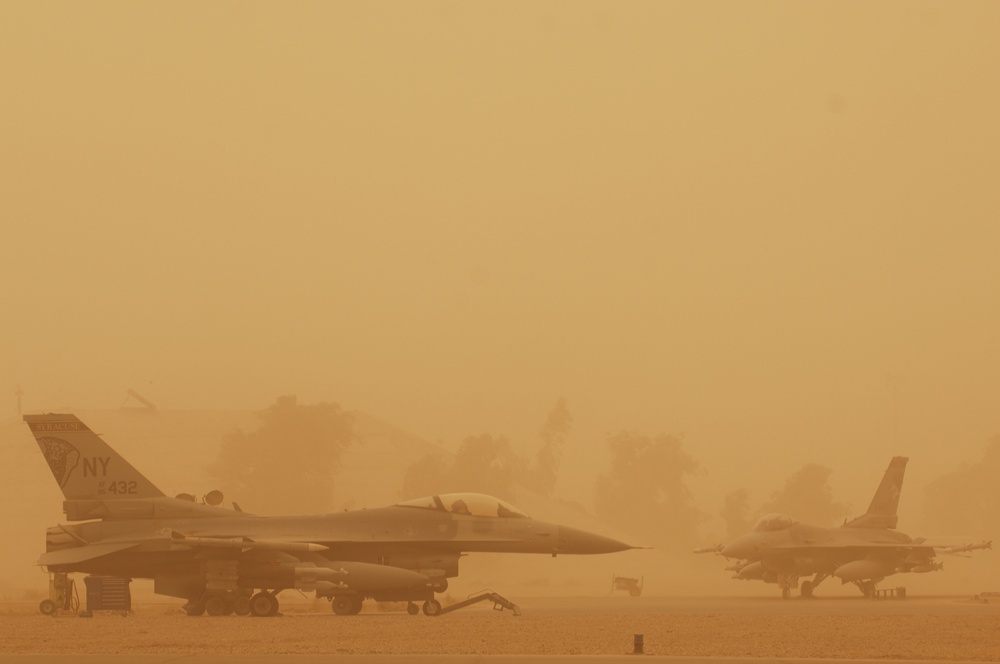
x=84, y=466
x=882, y=511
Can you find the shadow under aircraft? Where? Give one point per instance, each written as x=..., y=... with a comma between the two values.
x=226, y=561
x=863, y=551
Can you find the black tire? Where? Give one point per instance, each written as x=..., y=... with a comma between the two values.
x=357, y=605
x=47, y=607
x=263, y=604
x=215, y=605
x=786, y=593
x=432, y=607
x=343, y=605
x=241, y=605
x=412, y=608
x=806, y=589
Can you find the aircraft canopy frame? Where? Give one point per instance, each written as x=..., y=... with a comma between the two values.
x=772, y=522
x=474, y=504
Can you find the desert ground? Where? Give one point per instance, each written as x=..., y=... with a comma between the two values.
x=927, y=628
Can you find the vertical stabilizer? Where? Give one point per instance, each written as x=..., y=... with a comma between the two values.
x=84, y=466
x=882, y=511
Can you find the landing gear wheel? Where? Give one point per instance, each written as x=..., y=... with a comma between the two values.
x=47, y=607
x=263, y=604
x=867, y=589
x=241, y=605
x=215, y=605
x=412, y=608
x=786, y=593
x=357, y=604
x=432, y=607
x=344, y=605
x=807, y=589
x=439, y=585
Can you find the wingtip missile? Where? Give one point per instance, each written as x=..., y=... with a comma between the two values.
x=709, y=549
x=965, y=548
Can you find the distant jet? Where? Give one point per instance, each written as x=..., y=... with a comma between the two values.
x=863, y=551
x=227, y=561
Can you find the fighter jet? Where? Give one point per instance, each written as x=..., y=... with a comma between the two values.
x=226, y=561
x=862, y=551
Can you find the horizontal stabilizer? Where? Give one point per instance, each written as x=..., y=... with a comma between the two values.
x=81, y=554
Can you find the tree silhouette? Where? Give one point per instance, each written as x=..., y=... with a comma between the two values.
x=288, y=464
x=807, y=497
x=644, y=492
x=967, y=501
x=424, y=477
x=736, y=513
x=542, y=477
x=483, y=464
x=488, y=464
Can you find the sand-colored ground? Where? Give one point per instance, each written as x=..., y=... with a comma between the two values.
x=943, y=629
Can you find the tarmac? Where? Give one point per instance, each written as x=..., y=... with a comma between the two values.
x=428, y=659
x=661, y=618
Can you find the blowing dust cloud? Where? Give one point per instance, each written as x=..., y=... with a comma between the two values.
x=649, y=272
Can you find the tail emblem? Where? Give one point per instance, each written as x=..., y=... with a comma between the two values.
x=62, y=457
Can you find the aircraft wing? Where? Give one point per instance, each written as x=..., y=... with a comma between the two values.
x=921, y=544
x=844, y=546
x=80, y=554
x=847, y=546
x=246, y=543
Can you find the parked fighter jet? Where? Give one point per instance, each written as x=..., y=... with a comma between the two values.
x=863, y=551
x=216, y=558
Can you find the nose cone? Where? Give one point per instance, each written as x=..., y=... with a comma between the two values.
x=572, y=540
x=742, y=547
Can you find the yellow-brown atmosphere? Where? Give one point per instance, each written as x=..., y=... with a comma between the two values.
x=769, y=229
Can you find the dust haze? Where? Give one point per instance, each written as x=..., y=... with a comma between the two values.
x=748, y=242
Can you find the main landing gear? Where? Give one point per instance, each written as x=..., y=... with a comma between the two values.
x=790, y=582
x=264, y=604
x=787, y=583
x=807, y=587
x=241, y=603
x=867, y=588
x=347, y=605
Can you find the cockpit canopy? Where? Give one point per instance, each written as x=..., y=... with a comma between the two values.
x=770, y=522
x=475, y=504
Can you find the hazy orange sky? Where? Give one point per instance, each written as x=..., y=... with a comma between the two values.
x=740, y=222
